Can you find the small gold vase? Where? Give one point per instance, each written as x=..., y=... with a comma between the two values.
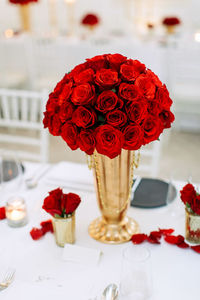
x=113, y=181
x=64, y=230
x=170, y=29
x=24, y=11
x=192, y=227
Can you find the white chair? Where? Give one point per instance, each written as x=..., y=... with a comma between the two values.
x=184, y=75
x=21, y=128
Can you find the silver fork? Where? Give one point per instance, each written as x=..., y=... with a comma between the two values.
x=7, y=279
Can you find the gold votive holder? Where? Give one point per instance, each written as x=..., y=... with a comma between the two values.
x=64, y=230
x=192, y=227
x=16, y=212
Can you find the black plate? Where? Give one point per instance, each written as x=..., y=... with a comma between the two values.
x=10, y=170
x=152, y=193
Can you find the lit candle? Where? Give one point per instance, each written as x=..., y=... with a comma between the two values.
x=197, y=37
x=9, y=33
x=16, y=212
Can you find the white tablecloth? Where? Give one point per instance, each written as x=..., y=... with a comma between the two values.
x=41, y=273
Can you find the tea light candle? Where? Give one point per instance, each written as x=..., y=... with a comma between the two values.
x=16, y=213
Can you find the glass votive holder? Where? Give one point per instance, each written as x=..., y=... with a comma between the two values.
x=16, y=212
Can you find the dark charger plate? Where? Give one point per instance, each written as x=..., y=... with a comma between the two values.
x=152, y=193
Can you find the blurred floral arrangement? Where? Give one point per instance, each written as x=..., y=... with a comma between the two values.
x=191, y=199
x=61, y=205
x=90, y=20
x=171, y=21
x=22, y=2
x=108, y=103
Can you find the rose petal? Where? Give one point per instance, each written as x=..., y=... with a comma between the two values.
x=153, y=239
x=196, y=248
x=36, y=233
x=2, y=213
x=174, y=240
x=138, y=238
x=166, y=231
x=183, y=245
x=156, y=234
x=47, y=226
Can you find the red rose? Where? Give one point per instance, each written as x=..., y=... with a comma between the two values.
x=47, y=226
x=66, y=111
x=55, y=125
x=152, y=129
x=116, y=118
x=171, y=21
x=133, y=137
x=195, y=205
x=78, y=69
x=84, y=77
x=2, y=213
x=87, y=141
x=167, y=117
x=115, y=60
x=65, y=94
x=106, y=101
x=109, y=141
x=36, y=233
x=83, y=94
x=90, y=19
x=188, y=193
x=97, y=62
x=146, y=86
x=131, y=70
x=154, y=107
x=106, y=78
x=52, y=105
x=136, y=110
x=22, y=2
x=69, y=134
x=72, y=202
x=84, y=117
x=52, y=203
x=162, y=96
x=154, y=78
x=129, y=92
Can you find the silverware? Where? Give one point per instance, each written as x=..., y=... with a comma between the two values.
x=110, y=292
x=33, y=180
x=7, y=279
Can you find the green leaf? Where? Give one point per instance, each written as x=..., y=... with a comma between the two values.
x=114, y=90
x=101, y=118
x=57, y=216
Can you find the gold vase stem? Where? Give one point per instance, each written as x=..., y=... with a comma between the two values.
x=24, y=11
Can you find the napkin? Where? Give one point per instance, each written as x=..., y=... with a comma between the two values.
x=81, y=255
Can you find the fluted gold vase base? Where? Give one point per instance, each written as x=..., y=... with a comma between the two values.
x=113, y=233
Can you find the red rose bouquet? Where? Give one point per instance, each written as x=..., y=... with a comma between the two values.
x=61, y=205
x=22, y=2
x=109, y=103
x=171, y=21
x=191, y=198
x=90, y=20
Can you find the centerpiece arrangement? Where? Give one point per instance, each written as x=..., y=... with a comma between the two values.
x=24, y=10
x=62, y=208
x=90, y=21
x=191, y=199
x=109, y=107
x=170, y=23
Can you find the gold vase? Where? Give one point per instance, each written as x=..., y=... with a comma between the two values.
x=24, y=11
x=113, y=181
x=170, y=29
x=64, y=230
x=192, y=227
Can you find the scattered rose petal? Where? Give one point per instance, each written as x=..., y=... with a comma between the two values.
x=183, y=245
x=36, y=233
x=153, y=239
x=196, y=248
x=156, y=234
x=174, y=240
x=139, y=238
x=166, y=231
x=2, y=213
x=47, y=226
